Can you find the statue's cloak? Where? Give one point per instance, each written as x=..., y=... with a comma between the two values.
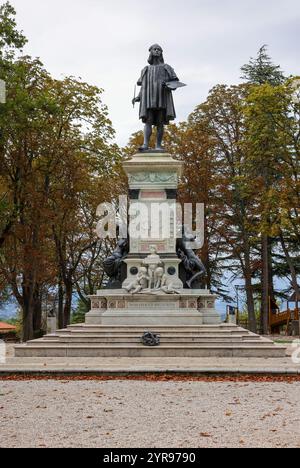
x=154, y=95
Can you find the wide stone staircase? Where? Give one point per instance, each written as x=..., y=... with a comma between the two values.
x=83, y=340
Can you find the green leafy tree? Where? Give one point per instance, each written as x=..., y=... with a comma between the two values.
x=57, y=161
x=230, y=199
x=261, y=70
x=263, y=143
x=11, y=42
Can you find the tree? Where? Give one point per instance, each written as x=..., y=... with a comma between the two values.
x=261, y=70
x=262, y=74
x=283, y=107
x=11, y=41
x=57, y=163
x=289, y=195
x=55, y=143
x=230, y=202
x=10, y=38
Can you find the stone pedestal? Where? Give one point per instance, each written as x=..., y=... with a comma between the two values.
x=153, y=180
x=190, y=307
x=51, y=324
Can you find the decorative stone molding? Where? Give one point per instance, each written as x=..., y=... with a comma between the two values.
x=152, y=177
x=200, y=304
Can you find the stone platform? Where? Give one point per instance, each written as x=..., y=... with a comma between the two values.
x=116, y=307
x=104, y=341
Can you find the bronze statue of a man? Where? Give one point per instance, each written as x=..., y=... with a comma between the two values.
x=156, y=101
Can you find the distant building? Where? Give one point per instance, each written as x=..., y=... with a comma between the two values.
x=6, y=329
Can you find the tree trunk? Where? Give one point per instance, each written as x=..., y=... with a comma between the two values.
x=68, y=302
x=250, y=302
x=291, y=266
x=5, y=233
x=37, y=312
x=60, y=305
x=270, y=273
x=265, y=286
x=27, y=309
x=249, y=288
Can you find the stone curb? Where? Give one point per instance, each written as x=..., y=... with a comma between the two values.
x=137, y=372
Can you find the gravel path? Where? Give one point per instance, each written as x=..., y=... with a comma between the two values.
x=149, y=414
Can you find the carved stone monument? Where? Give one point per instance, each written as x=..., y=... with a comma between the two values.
x=161, y=281
x=155, y=302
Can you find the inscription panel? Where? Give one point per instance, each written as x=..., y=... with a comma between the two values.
x=152, y=305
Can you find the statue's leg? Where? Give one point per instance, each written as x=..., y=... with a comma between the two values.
x=147, y=130
x=193, y=278
x=160, y=135
x=147, y=135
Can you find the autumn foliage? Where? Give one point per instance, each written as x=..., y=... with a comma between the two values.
x=58, y=162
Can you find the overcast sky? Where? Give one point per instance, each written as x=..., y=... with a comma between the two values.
x=106, y=42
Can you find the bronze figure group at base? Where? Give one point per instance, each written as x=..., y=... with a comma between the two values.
x=151, y=275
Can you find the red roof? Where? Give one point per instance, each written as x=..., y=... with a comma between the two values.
x=6, y=327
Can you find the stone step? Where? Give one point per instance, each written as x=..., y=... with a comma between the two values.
x=164, y=341
x=182, y=341
x=223, y=326
x=138, y=350
x=136, y=338
x=135, y=332
x=91, y=335
x=155, y=329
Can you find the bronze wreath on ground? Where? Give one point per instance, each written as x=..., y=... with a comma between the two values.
x=150, y=339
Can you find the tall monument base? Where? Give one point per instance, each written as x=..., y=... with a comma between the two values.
x=190, y=307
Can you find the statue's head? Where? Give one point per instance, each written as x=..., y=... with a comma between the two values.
x=142, y=271
x=155, y=52
x=159, y=272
